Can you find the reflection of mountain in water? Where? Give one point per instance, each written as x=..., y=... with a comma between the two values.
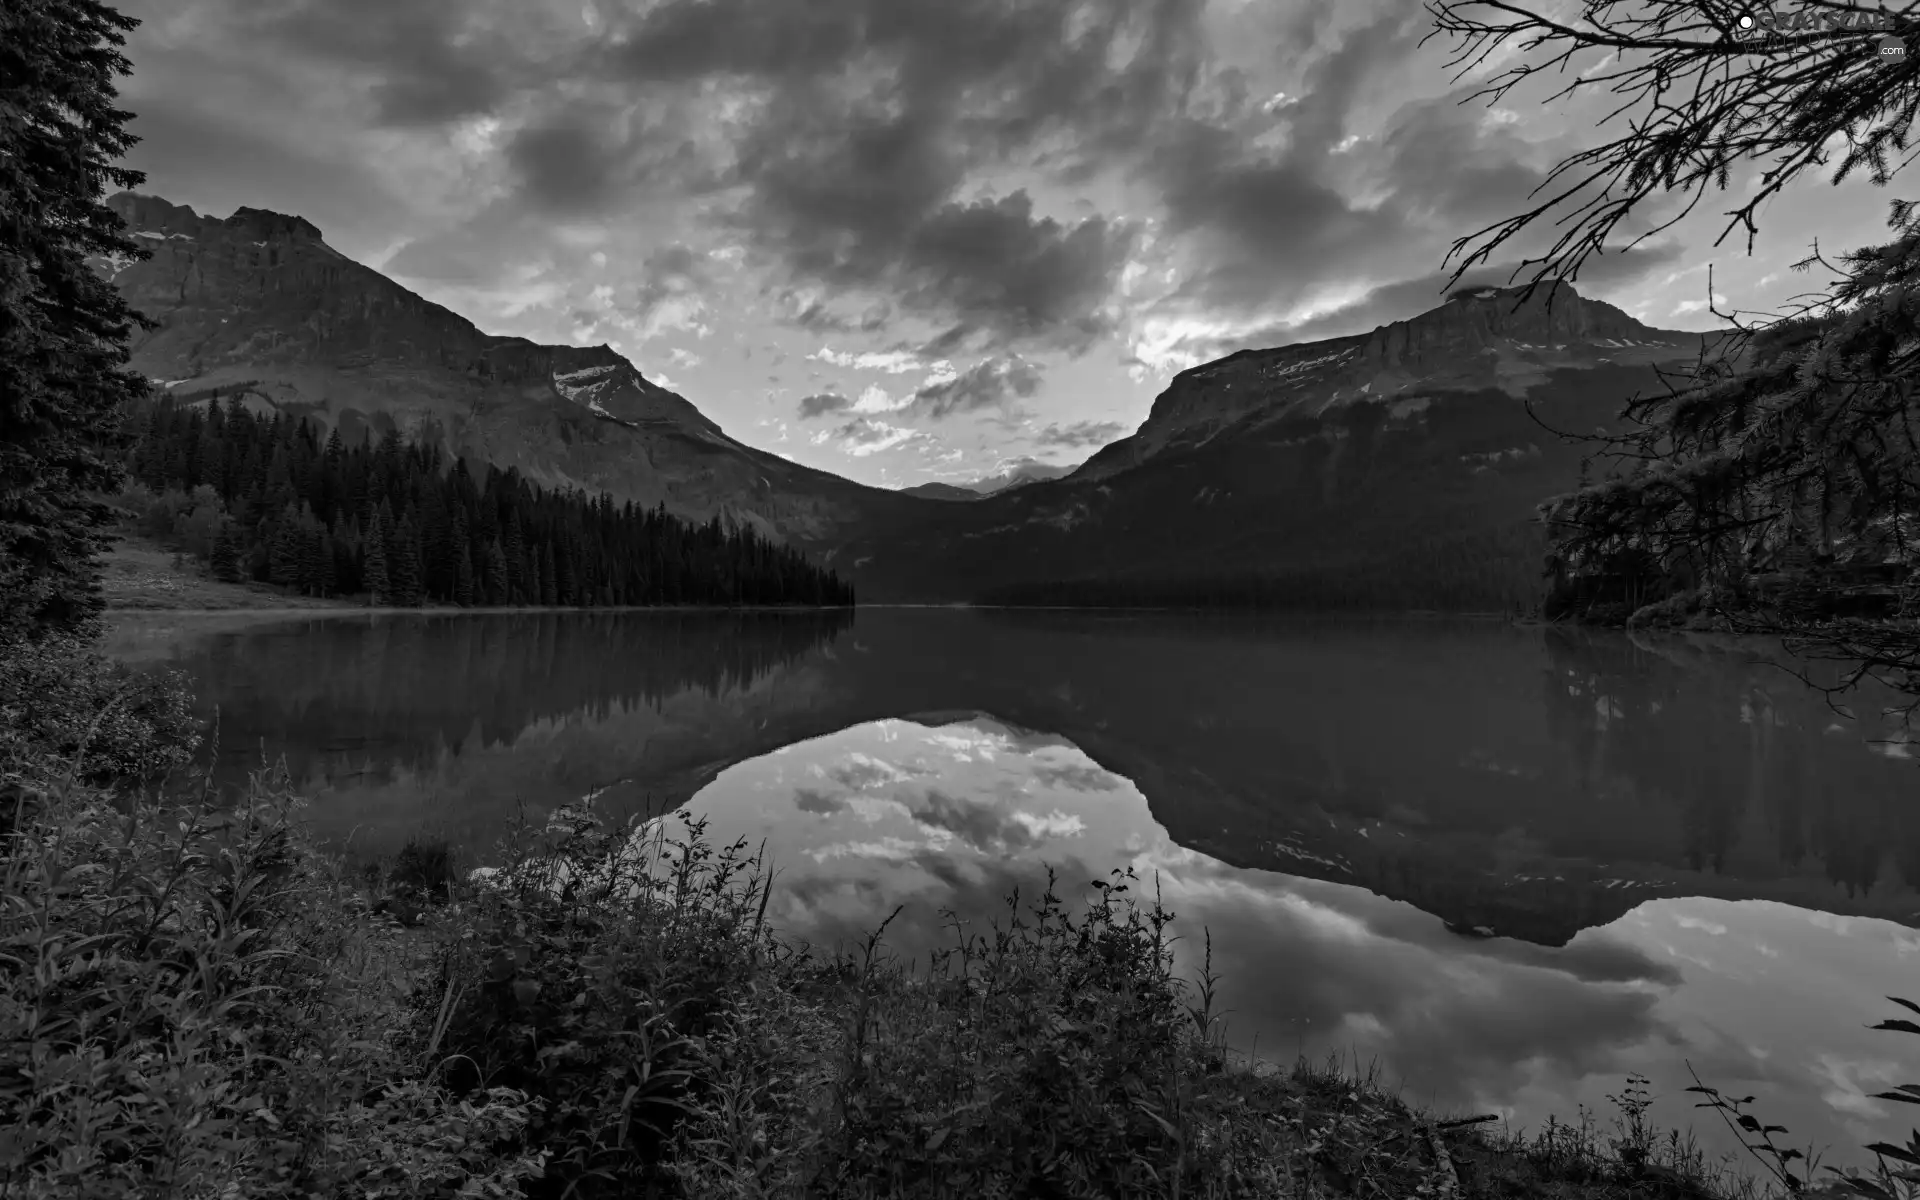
x=1527, y=782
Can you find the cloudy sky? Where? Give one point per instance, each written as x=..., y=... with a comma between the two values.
x=901, y=240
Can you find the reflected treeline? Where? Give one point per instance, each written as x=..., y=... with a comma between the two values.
x=1533, y=781
x=1757, y=772
x=398, y=691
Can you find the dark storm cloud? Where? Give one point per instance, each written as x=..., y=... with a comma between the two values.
x=564, y=166
x=822, y=403
x=990, y=382
x=875, y=152
x=431, y=62
x=1270, y=218
x=865, y=431
x=1270, y=202
x=1003, y=270
x=1080, y=433
x=875, y=113
x=818, y=316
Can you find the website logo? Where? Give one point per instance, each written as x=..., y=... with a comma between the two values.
x=1764, y=30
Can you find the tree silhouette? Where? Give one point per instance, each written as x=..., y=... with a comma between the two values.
x=1702, y=94
x=63, y=328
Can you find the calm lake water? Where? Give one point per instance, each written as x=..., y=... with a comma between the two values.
x=1508, y=866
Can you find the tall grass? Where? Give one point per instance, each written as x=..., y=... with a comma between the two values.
x=194, y=1002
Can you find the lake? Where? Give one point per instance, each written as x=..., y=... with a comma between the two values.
x=1507, y=866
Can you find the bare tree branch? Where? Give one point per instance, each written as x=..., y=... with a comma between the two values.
x=1700, y=94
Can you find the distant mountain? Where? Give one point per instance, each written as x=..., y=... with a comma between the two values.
x=1019, y=475
x=258, y=304
x=1397, y=468
x=940, y=491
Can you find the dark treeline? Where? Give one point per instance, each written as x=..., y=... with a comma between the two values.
x=1495, y=571
x=265, y=499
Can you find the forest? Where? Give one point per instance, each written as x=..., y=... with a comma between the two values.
x=263, y=498
x=1492, y=570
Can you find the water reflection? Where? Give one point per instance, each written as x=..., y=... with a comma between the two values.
x=955, y=816
x=1530, y=783
x=1676, y=849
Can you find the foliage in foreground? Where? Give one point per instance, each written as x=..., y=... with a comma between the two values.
x=195, y=1003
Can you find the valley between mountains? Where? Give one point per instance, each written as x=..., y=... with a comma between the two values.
x=1396, y=469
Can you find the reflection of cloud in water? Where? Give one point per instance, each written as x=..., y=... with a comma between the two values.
x=862, y=771
x=810, y=801
x=1316, y=967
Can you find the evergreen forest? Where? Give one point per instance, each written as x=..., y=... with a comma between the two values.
x=264, y=498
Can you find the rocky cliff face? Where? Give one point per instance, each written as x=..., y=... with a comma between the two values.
x=259, y=304
x=1483, y=338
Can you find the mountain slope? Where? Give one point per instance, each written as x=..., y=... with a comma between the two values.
x=1398, y=468
x=260, y=305
x=940, y=491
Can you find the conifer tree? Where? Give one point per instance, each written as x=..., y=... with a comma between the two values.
x=403, y=563
x=63, y=328
x=499, y=591
x=547, y=596
x=373, y=573
x=462, y=553
x=225, y=560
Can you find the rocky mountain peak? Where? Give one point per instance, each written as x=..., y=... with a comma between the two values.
x=1481, y=338
x=260, y=223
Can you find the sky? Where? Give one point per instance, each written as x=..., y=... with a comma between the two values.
x=902, y=240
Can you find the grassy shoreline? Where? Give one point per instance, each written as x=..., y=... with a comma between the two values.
x=142, y=576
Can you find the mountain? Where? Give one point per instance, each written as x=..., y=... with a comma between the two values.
x=1481, y=339
x=940, y=491
x=258, y=304
x=1018, y=475
x=1396, y=468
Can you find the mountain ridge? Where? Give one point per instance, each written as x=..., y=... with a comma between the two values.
x=1019, y=475
x=258, y=304
x=1503, y=338
x=1415, y=442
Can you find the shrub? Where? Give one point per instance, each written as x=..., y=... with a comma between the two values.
x=188, y=1008
x=63, y=703
x=586, y=974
